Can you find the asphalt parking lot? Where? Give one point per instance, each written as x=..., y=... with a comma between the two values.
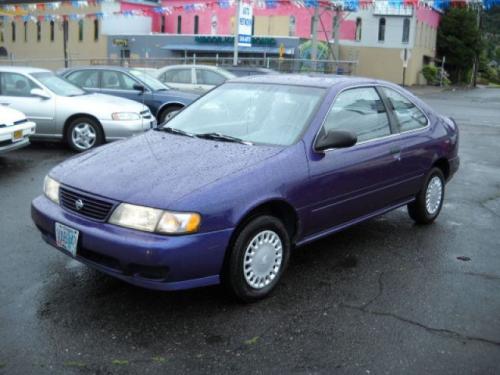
x=383, y=297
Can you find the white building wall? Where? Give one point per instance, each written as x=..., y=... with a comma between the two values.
x=393, y=30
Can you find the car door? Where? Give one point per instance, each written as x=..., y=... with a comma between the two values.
x=413, y=126
x=87, y=79
x=207, y=79
x=179, y=78
x=15, y=92
x=120, y=84
x=350, y=183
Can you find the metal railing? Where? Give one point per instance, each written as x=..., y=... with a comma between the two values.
x=285, y=65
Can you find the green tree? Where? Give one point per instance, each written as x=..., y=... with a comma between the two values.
x=459, y=39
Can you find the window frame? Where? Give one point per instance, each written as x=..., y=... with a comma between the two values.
x=395, y=117
x=393, y=124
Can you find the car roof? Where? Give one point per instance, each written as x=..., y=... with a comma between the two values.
x=312, y=80
x=23, y=69
x=97, y=67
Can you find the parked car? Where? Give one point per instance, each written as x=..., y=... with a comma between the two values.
x=241, y=71
x=193, y=78
x=131, y=83
x=63, y=111
x=15, y=129
x=277, y=162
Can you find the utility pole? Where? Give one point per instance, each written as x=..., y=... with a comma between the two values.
x=336, y=33
x=476, y=58
x=236, y=32
x=314, y=49
x=65, y=26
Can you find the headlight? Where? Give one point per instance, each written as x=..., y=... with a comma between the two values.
x=155, y=220
x=51, y=189
x=125, y=116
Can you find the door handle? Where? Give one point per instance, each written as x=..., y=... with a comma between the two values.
x=395, y=150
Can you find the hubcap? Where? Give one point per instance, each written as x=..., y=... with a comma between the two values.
x=433, y=195
x=262, y=260
x=83, y=136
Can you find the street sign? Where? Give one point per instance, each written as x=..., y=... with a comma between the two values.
x=405, y=56
x=245, y=25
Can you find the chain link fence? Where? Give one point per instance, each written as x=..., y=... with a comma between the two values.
x=285, y=65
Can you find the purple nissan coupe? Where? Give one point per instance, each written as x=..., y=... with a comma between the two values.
x=226, y=189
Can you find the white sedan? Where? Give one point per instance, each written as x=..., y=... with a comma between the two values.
x=15, y=129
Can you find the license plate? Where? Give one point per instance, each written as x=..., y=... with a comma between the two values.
x=17, y=135
x=66, y=238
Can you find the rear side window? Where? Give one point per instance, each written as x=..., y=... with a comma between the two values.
x=85, y=78
x=117, y=81
x=408, y=115
x=177, y=76
x=207, y=77
x=360, y=111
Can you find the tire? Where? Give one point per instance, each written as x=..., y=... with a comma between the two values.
x=429, y=201
x=246, y=260
x=84, y=133
x=164, y=114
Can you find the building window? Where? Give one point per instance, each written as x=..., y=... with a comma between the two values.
x=312, y=25
x=196, y=24
x=381, y=30
x=52, y=31
x=357, y=36
x=38, y=31
x=292, y=26
x=80, y=30
x=25, y=24
x=162, y=25
x=179, y=24
x=96, y=30
x=13, y=24
x=406, y=30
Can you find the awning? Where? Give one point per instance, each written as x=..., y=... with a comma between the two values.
x=225, y=48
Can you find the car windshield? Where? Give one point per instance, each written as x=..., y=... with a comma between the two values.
x=149, y=80
x=257, y=113
x=58, y=85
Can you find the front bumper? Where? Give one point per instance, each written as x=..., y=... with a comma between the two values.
x=6, y=143
x=144, y=259
x=115, y=130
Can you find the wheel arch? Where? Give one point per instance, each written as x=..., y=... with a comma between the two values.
x=167, y=105
x=444, y=165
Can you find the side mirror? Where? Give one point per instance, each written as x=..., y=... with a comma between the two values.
x=138, y=87
x=335, y=139
x=39, y=93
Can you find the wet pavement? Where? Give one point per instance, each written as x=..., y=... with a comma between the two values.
x=385, y=296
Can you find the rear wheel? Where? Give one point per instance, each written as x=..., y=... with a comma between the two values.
x=84, y=133
x=429, y=201
x=258, y=258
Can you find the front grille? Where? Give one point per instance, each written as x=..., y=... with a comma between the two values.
x=91, y=207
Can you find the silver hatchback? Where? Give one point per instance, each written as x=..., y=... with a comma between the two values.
x=63, y=111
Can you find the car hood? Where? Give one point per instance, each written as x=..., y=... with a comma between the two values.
x=102, y=103
x=9, y=115
x=157, y=169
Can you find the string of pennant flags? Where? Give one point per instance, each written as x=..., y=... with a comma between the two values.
x=25, y=11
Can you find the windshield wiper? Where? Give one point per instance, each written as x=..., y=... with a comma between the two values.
x=223, y=137
x=171, y=130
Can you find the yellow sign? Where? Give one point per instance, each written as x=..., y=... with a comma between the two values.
x=282, y=50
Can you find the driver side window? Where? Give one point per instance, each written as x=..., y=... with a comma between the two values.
x=360, y=111
x=14, y=84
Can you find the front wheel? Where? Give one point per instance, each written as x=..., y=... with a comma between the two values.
x=258, y=258
x=429, y=201
x=84, y=133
